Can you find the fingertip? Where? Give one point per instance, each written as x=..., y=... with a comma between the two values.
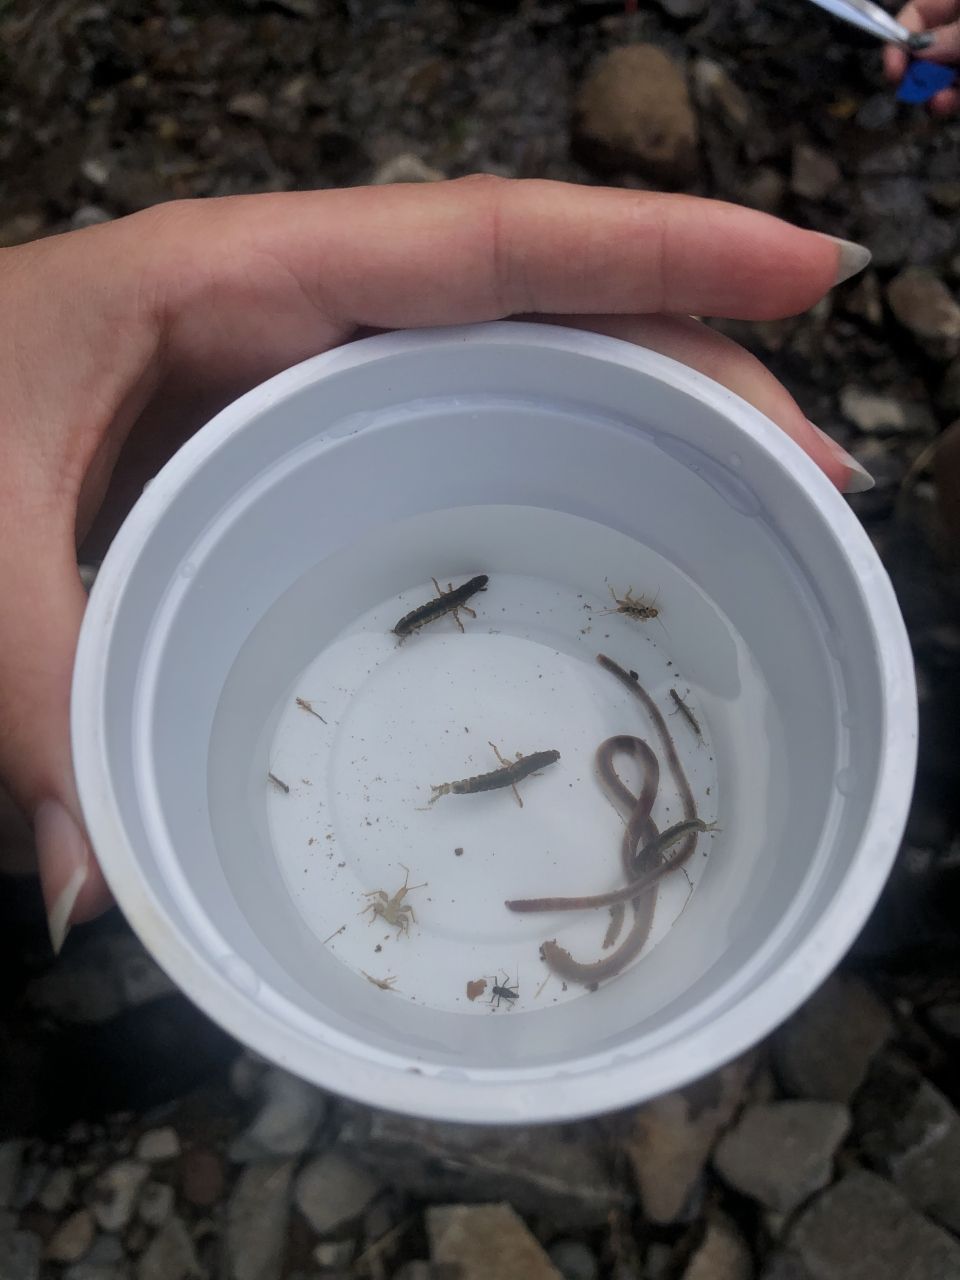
x=945, y=103
x=894, y=63
x=841, y=468
x=73, y=886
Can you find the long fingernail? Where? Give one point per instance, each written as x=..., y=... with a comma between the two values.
x=859, y=479
x=64, y=858
x=853, y=257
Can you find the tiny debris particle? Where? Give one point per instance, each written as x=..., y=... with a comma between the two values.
x=476, y=988
x=459, y=851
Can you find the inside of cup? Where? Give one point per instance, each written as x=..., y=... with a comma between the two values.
x=413, y=464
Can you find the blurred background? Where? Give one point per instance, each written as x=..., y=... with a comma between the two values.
x=137, y=1142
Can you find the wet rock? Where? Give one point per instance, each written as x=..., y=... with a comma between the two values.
x=102, y=977
x=911, y=1133
x=156, y=1204
x=115, y=1194
x=925, y=307
x=814, y=173
x=11, y=1158
x=98, y=1271
x=634, y=111
x=668, y=1141
x=574, y=1260
x=684, y=10
x=72, y=1239
x=780, y=1153
x=717, y=92
x=57, y=1191
x=785, y=1266
x=289, y=1115
x=863, y=1229
x=332, y=1191
x=764, y=189
x=405, y=168
x=158, y=1145
x=89, y=215
x=486, y=1242
x=825, y=1050
x=201, y=1177
x=945, y=1018
x=249, y=106
x=334, y=1255
x=553, y=1171
x=170, y=1255
x=865, y=299
x=19, y=1255
x=721, y=1256
x=257, y=1215
x=871, y=411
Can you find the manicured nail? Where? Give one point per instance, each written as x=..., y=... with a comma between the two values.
x=859, y=479
x=64, y=858
x=853, y=257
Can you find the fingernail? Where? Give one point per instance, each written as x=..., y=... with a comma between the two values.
x=64, y=858
x=859, y=479
x=853, y=257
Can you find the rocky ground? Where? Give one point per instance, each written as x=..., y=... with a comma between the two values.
x=137, y=1141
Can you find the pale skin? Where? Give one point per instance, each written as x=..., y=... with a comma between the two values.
x=942, y=19
x=118, y=341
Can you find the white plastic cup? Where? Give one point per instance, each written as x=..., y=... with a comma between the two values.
x=517, y=450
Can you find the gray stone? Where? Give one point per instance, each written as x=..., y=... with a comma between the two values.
x=105, y=1251
x=57, y=1191
x=89, y=215
x=106, y=975
x=557, y=1172
x=780, y=1153
x=911, y=1132
x=764, y=189
x=156, y=1204
x=863, y=1229
x=19, y=1255
x=717, y=92
x=877, y=112
x=927, y=309
x=287, y=1119
x=826, y=1048
x=721, y=1256
x=574, y=1260
x=865, y=299
x=784, y=1266
x=115, y=1194
x=72, y=1239
x=257, y=1216
x=486, y=1242
x=246, y=1072
x=11, y=1157
x=98, y=1271
x=814, y=173
x=945, y=1018
x=634, y=111
x=170, y=1255
x=96, y=171
x=249, y=106
x=684, y=9
x=871, y=411
x=334, y=1255
x=668, y=1141
x=332, y=1190
x=158, y=1145
x=405, y=168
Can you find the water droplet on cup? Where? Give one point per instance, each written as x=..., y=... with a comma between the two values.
x=241, y=975
x=846, y=781
x=736, y=460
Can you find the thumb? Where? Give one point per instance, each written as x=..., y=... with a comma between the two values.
x=45, y=598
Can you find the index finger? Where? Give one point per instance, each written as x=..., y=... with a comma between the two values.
x=481, y=249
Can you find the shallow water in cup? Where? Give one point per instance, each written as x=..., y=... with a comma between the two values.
x=380, y=723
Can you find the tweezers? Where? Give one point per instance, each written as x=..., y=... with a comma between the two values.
x=877, y=22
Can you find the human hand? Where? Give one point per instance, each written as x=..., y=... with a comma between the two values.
x=118, y=341
x=942, y=19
